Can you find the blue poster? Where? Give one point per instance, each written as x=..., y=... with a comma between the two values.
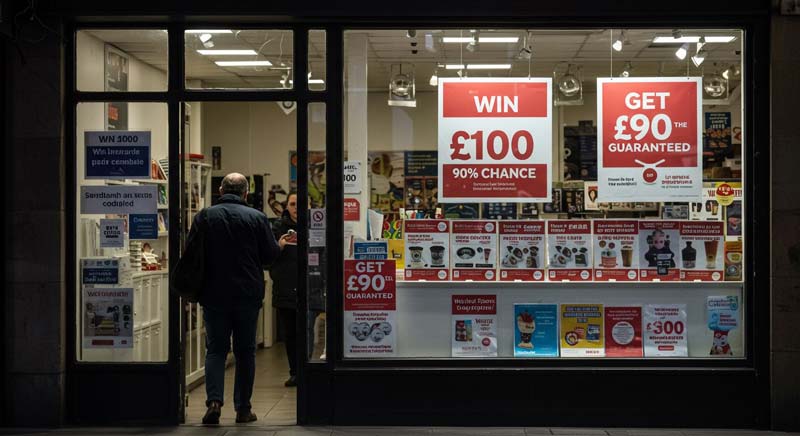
x=117, y=155
x=535, y=330
x=99, y=271
x=372, y=250
x=143, y=226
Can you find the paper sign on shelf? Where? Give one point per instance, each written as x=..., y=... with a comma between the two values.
x=495, y=139
x=615, y=243
x=474, y=326
x=522, y=250
x=107, y=315
x=569, y=250
x=119, y=200
x=352, y=177
x=702, y=246
x=659, y=250
x=723, y=316
x=665, y=330
x=117, y=155
x=651, y=139
x=112, y=233
x=99, y=271
x=582, y=330
x=143, y=226
x=370, y=303
x=535, y=330
x=473, y=250
x=623, y=331
x=427, y=245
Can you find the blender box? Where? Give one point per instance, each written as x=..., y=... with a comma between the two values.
x=569, y=250
x=427, y=245
x=522, y=251
x=702, y=246
x=473, y=250
x=614, y=245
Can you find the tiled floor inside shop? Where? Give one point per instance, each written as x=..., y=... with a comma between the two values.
x=272, y=402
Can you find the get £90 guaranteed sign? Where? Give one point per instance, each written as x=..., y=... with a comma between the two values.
x=650, y=139
x=495, y=139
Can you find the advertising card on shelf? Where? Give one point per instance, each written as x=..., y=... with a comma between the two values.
x=582, y=330
x=665, y=330
x=614, y=245
x=427, y=245
x=723, y=316
x=372, y=250
x=100, y=271
x=623, y=331
x=569, y=250
x=474, y=326
x=521, y=250
x=659, y=251
x=107, y=315
x=370, y=303
x=495, y=139
x=651, y=139
x=112, y=233
x=535, y=330
x=702, y=246
x=473, y=250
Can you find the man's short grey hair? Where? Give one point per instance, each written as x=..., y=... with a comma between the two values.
x=235, y=183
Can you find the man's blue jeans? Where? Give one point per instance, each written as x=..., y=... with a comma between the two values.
x=220, y=323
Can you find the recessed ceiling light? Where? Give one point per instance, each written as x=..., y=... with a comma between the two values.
x=482, y=39
x=692, y=39
x=209, y=31
x=226, y=52
x=243, y=63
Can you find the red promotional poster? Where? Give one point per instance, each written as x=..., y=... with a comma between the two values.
x=650, y=139
x=473, y=250
x=659, y=251
x=370, y=303
x=495, y=139
x=569, y=250
x=522, y=250
x=624, y=332
x=352, y=209
x=615, y=243
x=702, y=244
x=427, y=249
x=474, y=326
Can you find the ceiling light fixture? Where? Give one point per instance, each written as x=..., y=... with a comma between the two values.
x=227, y=52
x=434, y=78
x=682, y=51
x=478, y=67
x=699, y=57
x=621, y=39
x=692, y=39
x=626, y=70
x=243, y=63
x=482, y=39
x=205, y=38
x=731, y=72
x=209, y=31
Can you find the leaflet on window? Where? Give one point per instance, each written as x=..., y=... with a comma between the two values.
x=427, y=245
x=665, y=330
x=535, y=330
x=473, y=250
x=474, y=326
x=615, y=243
x=659, y=250
x=702, y=246
x=569, y=250
x=521, y=250
x=582, y=332
x=722, y=313
x=623, y=331
x=107, y=315
x=370, y=304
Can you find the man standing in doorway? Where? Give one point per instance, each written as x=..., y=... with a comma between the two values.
x=239, y=245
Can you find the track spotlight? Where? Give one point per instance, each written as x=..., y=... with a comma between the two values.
x=682, y=51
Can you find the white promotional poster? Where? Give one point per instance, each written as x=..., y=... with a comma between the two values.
x=522, y=250
x=112, y=233
x=702, y=245
x=119, y=200
x=495, y=140
x=569, y=250
x=352, y=177
x=615, y=243
x=665, y=330
x=107, y=315
x=473, y=250
x=427, y=245
x=370, y=304
x=723, y=317
x=474, y=326
x=650, y=139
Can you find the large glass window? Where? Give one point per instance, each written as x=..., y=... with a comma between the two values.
x=117, y=60
x=526, y=193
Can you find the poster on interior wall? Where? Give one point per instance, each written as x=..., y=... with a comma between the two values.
x=715, y=196
x=495, y=139
x=650, y=133
x=116, y=80
x=370, y=302
x=112, y=233
x=316, y=176
x=535, y=330
x=216, y=158
x=473, y=250
x=665, y=330
x=421, y=180
x=582, y=332
x=615, y=243
x=580, y=151
x=427, y=249
x=722, y=313
x=659, y=250
x=118, y=155
x=623, y=331
x=718, y=137
x=702, y=246
x=474, y=326
x=107, y=315
x=569, y=248
x=521, y=251
x=386, y=182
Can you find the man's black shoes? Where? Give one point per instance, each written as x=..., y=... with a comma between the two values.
x=291, y=382
x=212, y=414
x=245, y=416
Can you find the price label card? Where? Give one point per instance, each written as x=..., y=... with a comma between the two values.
x=650, y=139
x=665, y=330
x=495, y=140
x=370, y=302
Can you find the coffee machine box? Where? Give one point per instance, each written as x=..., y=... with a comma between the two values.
x=569, y=250
x=659, y=250
x=702, y=246
x=614, y=245
x=473, y=250
x=521, y=250
x=427, y=246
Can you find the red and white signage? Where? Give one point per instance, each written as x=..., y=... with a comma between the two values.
x=522, y=250
x=659, y=250
x=665, y=330
x=370, y=303
x=427, y=249
x=651, y=139
x=623, y=331
x=495, y=139
x=702, y=244
x=473, y=250
x=474, y=326
x=569, y=250
x=615, y=247
x=352, y=209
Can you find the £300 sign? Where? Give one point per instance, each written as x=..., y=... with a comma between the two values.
x=495, y=139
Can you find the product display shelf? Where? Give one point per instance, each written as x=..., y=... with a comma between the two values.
x=150, y=300
x=452, y=284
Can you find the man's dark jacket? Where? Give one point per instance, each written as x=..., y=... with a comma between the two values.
x=239, y=246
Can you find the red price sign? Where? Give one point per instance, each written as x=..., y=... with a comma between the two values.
x=369, y=285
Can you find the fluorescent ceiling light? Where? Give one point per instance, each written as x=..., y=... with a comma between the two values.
x=482, y=39
x=209, y=31
x=310, y=82
x=243, y=63
x=691, y=39
x=479, y=66
x=226, y=52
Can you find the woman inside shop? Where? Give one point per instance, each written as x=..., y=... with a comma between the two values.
x=284, y=281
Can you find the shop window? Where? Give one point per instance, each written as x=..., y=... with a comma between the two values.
x=317, y=241
x=122, y=60
x=525, y=193
x=317, y=60
x=239, y=59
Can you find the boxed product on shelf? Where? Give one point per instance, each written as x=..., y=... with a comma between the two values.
x=659, y=252
x=522, y=250
x=702, y=245
x=569, y=250
x=427, y=245
x=473, y=250
x=614, y=246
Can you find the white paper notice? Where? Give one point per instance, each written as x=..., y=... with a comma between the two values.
x=112, y=233
x=122, y=200
x=665, y=330
x=107, y=315
x=474, y=326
